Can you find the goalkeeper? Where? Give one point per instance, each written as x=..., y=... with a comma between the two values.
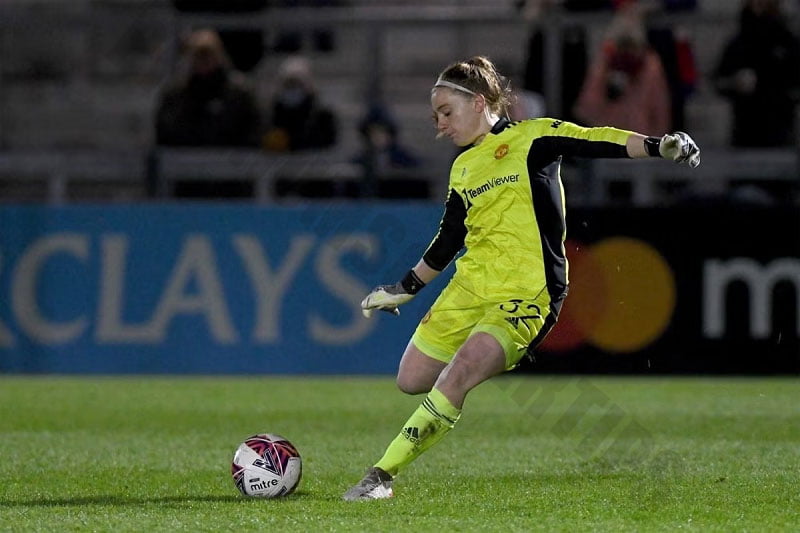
x=506, y=207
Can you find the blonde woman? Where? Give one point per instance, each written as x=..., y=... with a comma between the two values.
x=506, y=207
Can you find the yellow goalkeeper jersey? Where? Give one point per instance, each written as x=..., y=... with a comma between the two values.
x=506, y=207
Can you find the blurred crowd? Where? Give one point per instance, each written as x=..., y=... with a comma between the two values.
x=213, y=101
x=640, y=77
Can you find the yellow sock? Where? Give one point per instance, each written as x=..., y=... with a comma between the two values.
x=429, y=423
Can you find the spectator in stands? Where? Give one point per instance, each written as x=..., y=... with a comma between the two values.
x=212, y=105
x=291, y=40
x=381, y=148
x=383, y=156
x=759, y=71
x=675, y=50
x=572, y=50
x=668, y=41
x=299, y=120
x=626, y=86
x=244, y=45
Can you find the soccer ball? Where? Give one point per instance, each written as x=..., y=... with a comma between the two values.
x=266, y=466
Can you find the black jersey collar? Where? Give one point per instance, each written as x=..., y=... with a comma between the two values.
x=500, y=125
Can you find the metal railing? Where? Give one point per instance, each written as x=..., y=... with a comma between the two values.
x=718, y=170
x=160, y=169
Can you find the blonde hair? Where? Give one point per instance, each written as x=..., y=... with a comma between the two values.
x=479, y=75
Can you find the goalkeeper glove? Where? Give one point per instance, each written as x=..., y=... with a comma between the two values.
x=680, y=148
x=388, y=297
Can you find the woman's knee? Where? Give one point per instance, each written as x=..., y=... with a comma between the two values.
x=417, y=372
x=413, y=385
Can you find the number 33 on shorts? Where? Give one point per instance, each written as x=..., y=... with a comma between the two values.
x=522, y=312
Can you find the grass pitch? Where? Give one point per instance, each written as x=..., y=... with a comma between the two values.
x=529, y=454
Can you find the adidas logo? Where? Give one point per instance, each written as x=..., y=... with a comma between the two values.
x=412, y=434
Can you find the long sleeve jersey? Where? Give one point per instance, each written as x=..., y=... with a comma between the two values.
x=506, y=206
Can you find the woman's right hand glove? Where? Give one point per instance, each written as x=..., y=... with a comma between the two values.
x=385, y=298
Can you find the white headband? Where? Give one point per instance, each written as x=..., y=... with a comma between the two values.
x=444, y=83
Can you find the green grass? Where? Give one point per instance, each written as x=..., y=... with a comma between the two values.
x=546, y=454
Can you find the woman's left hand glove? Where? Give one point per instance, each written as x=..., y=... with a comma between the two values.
x=680, y=148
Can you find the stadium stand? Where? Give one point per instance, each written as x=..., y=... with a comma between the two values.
x=76, y=112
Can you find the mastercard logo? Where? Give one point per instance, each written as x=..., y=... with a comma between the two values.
x=621, y=297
